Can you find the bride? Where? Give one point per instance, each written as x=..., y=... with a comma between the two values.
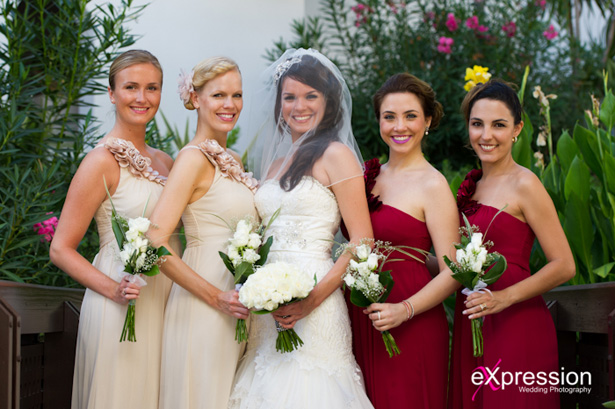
x=310, y=168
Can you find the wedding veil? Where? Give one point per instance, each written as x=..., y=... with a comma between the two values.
x=273, y=154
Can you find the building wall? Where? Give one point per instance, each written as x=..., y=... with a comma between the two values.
x=183, y=32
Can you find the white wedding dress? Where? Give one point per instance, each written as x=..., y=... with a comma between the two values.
x=323, y=372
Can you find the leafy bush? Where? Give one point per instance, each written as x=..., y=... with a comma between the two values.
x=436, y=41
x=578, y=172
x=53, y=56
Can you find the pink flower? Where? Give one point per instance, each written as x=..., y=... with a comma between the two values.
x=510, y=29
x=361, y=12
x=550, y=34
x=472, y=22
x=541, y=3
x=482, y=29
x=452, y=23
x=46, y=228
x=444, y=45
x=429, y=16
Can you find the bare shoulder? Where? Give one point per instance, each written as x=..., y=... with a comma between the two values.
x=337, y=150
x=98, y=157
x=527, y=182
x=161, y=156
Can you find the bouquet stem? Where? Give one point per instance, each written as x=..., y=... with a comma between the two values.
x=128, y=332
x=287, y=340
x=477, y=337
x=241, y=331
x=390, y=344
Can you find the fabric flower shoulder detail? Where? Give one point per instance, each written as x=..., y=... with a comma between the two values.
x=466, y=190
x=372, y=170
x=229, y=167
x=127, y=156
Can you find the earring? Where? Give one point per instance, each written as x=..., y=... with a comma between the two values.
x=514, y=139
x=427, y=130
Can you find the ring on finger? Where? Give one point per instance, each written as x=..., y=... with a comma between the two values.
x=483, y=307
x=285, y=316
x=379, y=317
x=124, y=292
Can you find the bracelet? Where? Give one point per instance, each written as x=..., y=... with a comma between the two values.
x=408, y=306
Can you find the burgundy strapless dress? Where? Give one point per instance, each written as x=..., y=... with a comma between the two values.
x=520, y=338
x=417, y=377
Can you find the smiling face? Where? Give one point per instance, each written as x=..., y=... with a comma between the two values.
x=136, y=94
x=402, y=122
x=303, y=107
x=219, y=102
x=492, y=128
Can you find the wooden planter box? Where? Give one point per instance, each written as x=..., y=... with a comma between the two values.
x=584, y=317
x=38, y=334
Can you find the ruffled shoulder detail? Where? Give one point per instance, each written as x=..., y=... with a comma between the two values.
x=466, y=190
x=127, y=156
x=372, y=170
x=229, y=167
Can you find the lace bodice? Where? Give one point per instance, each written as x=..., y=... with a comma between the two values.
x=308, y=220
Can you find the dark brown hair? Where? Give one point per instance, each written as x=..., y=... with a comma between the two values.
x=405, y=82
x=497, y=90
x=313, y=73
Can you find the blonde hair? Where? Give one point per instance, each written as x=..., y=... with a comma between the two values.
x=207, y=70
x=130, y=58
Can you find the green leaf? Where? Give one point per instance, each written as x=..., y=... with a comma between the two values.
x=387, y=282
x=609, y=170
x=577, y=180
x=566, y=150
x=495, y=272
x=587, y=142
x=604, y=270
x=466, y=279
x=579, y=229
x=163, y=251
x=607, y=110
x=118, y=232
x=359, y=299
x=609, y=404
x=152, y=272
x=522, y=149
x=227, y=262
x=242, y=271
x=264, y=251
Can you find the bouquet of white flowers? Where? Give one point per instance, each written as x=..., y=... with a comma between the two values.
x=269, y=287
x=475, y=269
x=367, y=282
x=137, y=255
x=246, y=249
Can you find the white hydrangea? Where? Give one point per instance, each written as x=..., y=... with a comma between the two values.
x=275, y=284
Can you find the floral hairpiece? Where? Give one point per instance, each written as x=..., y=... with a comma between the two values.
x=283, y=67
x=184, y=85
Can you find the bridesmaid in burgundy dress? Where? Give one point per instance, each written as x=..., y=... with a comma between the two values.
x=410, y=204
x=518, y=332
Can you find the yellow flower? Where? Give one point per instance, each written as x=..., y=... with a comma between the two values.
x=476, y=75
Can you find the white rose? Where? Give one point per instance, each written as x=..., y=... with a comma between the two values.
x=251, y=256
x=461, y=256
x=363, y=269
x=476, y=266
x=140, y=224
x=349, y=280
x=363, y=251
x=372, y=261
x=254, y=240
x=240, y=239
x=140, y=262
x=353, y=265
x=132, y=234
x=140, y=244
x=482, y=256
x=126, y=253
x=477, y=239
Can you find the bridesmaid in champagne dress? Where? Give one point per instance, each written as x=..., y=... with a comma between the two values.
x=410, y=205
x=207, y=189
x=518, y=332
x=109, y=374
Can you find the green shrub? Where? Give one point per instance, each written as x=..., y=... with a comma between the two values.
x=54, y=55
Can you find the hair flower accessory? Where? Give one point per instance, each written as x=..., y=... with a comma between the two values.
x=184, y=85
x=283, y=67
